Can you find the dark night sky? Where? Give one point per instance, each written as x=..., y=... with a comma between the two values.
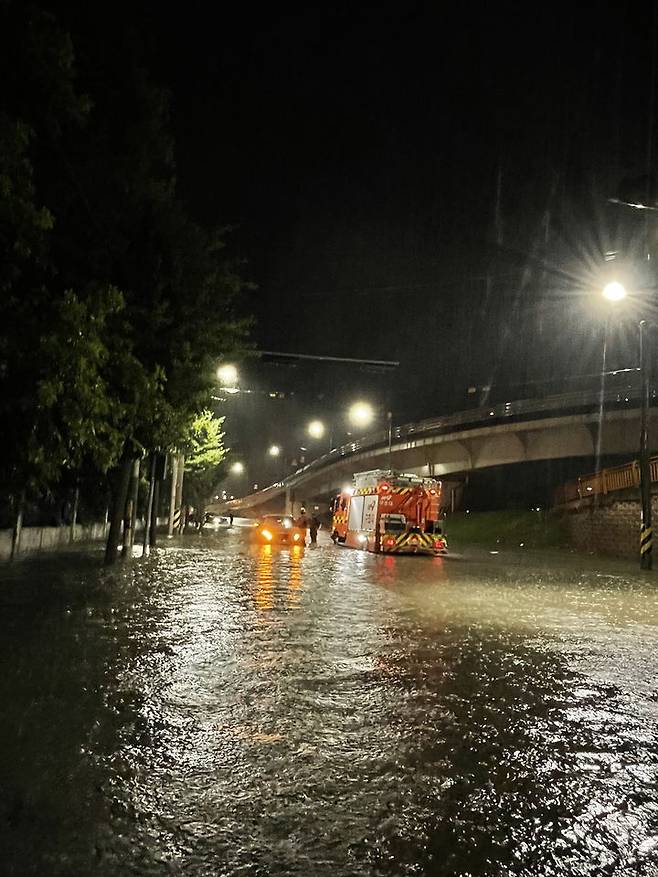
x=398, y=174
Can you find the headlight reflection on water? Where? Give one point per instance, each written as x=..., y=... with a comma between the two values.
x=285, y=587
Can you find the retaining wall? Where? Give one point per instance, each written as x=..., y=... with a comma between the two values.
x=50, y=538
x=610, y=528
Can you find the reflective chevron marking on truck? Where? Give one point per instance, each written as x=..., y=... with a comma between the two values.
x=372, y=491
x=408, y=542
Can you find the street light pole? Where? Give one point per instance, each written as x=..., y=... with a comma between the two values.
x=599, y=437
x=389, y=417
x=646, y=534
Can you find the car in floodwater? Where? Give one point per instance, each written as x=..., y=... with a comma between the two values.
x=279, y=530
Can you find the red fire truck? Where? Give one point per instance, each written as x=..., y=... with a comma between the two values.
x=391, y=513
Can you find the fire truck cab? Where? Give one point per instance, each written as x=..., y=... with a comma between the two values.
x=391, y=513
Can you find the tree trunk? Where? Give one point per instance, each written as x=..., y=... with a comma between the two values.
x=135, y=496
x=74, y=514
x=130, y=512
x=18, y=526
x=172, y=494
x=149, y=509
x=118, y=506
x=153, y=533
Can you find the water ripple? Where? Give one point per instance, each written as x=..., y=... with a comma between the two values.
x=232, y=710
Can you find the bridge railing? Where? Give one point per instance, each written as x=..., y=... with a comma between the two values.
x=603, y=482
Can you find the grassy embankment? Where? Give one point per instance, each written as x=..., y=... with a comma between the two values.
x=505, y=529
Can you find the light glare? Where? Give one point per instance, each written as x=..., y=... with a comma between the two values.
x=228, y=375
x=316, y=429
x=237, y=468
x=361, y=414
x=614, y=291
x=274, y=451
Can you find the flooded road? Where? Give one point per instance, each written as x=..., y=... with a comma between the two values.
x=226, y=709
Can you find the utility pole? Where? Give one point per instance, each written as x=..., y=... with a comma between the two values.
x=153, y=532
x=180, y=473
x=646, y=533
x=599, y=435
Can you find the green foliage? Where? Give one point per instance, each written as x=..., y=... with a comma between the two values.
x=179, y=289
x=23, y=223
x=55, y=396
x=204, y=454
x=205, y=448
x=114, y=304
x=74, y=402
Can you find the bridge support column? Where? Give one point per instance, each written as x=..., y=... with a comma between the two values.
x=290, y=501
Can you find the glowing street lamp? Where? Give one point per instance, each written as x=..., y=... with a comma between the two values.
x=316, y=429
x=274, y=451
x=361, y=414
x=227, y=375
x=237, y=468
x=614, y=292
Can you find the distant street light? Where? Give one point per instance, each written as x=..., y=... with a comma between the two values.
x=361, y=414
x=614, y=291
x=227, y=375
x=237, y=468
x=274, y=451
x=316, y=429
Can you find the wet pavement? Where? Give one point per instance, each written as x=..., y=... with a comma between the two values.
x=227, y=709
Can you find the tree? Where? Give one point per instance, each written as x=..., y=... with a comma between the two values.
x=180, y=290
x=54, y=345
x=204, y=455
x=121, y=301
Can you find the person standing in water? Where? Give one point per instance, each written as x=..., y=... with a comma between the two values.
x=314, y=526
x=302, y=522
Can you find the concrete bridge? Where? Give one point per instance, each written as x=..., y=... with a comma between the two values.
x=565, y=426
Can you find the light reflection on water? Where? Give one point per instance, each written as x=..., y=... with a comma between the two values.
x=235, y=709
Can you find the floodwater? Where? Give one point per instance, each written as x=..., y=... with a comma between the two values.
x=220, y=709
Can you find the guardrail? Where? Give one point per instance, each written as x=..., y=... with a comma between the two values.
x=603, y=482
